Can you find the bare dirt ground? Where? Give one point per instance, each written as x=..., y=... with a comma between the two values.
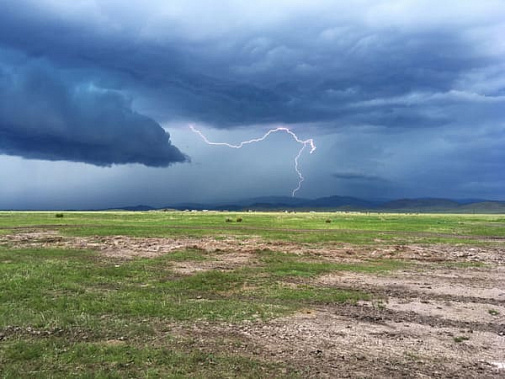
x=444, y=316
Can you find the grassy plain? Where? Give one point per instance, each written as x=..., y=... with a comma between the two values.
x=302, y=227
x=71, y=311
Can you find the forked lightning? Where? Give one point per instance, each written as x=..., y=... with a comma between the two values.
x=304, y=143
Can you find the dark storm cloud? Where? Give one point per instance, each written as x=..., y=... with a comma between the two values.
x=43, y=117
x=302, y=64
x=406, y=88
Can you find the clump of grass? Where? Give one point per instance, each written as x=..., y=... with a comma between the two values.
x=464, y=264
x=187, y=255
x=291, y=265
x=303, y=269
x=493, y=312
x=460, y=339
x=207, y=282
x=56, y=357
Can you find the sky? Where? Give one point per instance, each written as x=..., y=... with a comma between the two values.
x=403, y=98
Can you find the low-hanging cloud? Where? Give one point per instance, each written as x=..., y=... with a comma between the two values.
x=358, y=177
x=50, y=118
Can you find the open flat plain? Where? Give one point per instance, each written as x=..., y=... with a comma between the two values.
x=216, y=294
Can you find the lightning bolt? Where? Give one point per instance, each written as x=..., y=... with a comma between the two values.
x=308, y=142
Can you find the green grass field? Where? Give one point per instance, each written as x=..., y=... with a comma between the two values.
x=76, y=313
x=300, y=227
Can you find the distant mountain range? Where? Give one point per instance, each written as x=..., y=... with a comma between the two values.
x=343, y=203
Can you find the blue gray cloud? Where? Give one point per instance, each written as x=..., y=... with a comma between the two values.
x=358, y=177
x=228, y=65
x=414, y=90
x=44, y=117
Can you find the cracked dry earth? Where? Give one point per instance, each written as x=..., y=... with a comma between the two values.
x=441, y=317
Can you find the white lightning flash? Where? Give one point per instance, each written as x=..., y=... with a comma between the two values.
x=304, y=143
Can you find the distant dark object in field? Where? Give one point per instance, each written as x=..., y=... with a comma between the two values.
x=59, y=215
x=239, y=219
x=229, y=220
x=328, y=221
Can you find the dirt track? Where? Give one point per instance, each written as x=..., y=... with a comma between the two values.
x=442, y=317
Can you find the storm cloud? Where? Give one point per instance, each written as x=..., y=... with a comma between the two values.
x=408, y=90
x=229, y=64
x=43, y=117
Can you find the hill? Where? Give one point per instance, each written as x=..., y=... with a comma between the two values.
x=349, y=203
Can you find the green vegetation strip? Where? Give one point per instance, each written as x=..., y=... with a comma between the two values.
x=298, y=227
x=56, y=358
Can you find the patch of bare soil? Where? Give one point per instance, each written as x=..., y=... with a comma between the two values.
x=331, y=342
x=130, y=247
x=363, y=341
x=335, y=345
x=473, y=284
x=219, y=262
x=436, y=319
x=447, y=322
